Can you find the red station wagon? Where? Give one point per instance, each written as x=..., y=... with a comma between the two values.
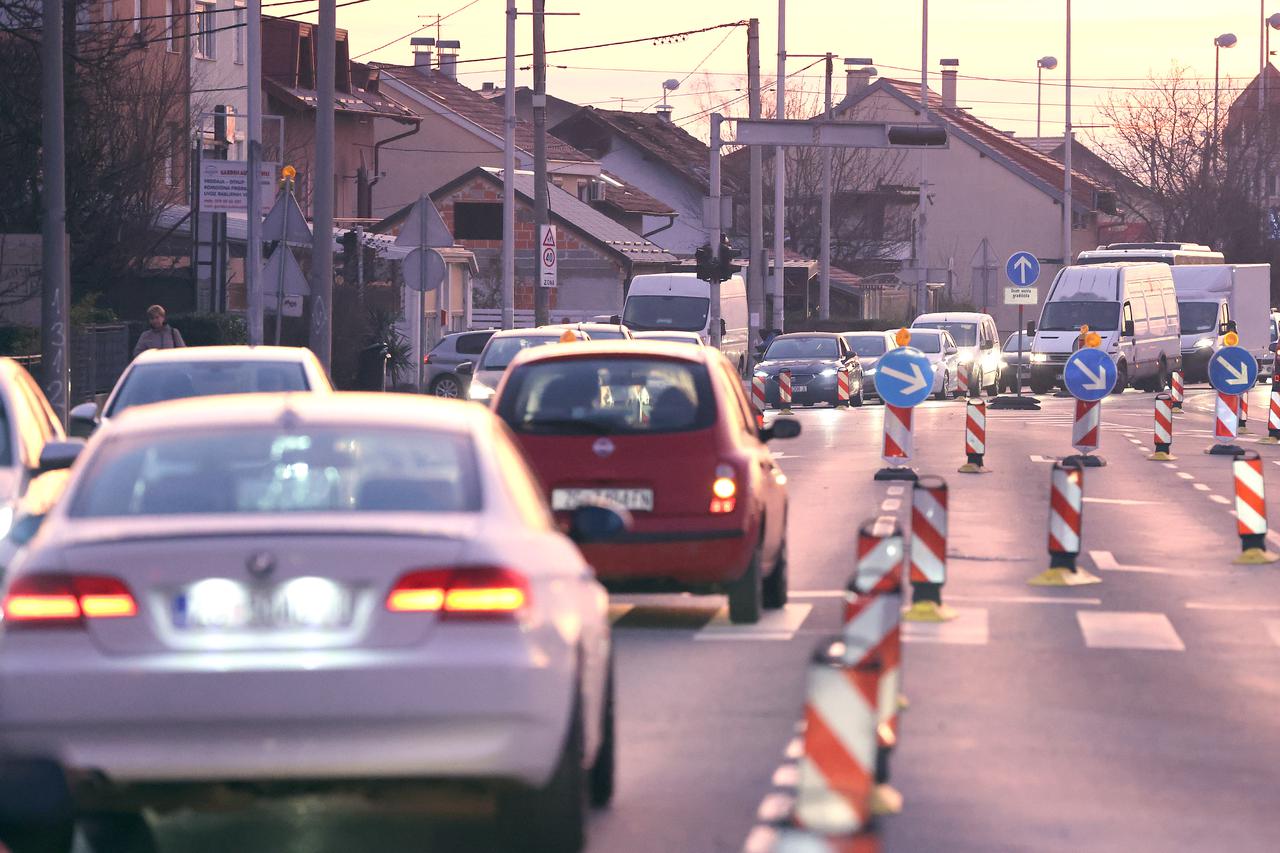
x=666, y=431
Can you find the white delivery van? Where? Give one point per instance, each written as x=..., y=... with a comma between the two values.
x=681, y=301
x=1209, y=296
x=976, y=337
x=1132, y=306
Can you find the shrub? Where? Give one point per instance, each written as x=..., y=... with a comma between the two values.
x=19, y=340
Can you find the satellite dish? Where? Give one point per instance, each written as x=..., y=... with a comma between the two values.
x=671, y=85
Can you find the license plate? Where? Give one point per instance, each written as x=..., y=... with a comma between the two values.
x=219, y=604
x=636, y=500
x=799, y=389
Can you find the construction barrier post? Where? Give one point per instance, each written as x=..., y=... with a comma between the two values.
x=1273, y=414
x=928, y=570
x=842, y=388
x=1251, y=510
x=1066, y=509
x=1226, y=422
x=975, y=437
x=1164, y=429
x=872, y=621
x=897, y=445
x=1175, y=390
x=1244, y=412
x=1086, y=432
x=758, y=399
x=784, y=390
x=963, y=379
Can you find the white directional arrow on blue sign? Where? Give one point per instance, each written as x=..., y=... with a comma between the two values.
x=1023, y=269
x=1233, y=370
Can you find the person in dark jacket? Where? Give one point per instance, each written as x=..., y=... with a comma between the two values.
x=161, y=335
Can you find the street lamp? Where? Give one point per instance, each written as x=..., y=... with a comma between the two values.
x=1269, y=24
x=1224, y=40
x=1042, y=64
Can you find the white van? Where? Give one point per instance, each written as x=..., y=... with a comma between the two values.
x=1209, y=296
x=978, y=339
x=682, y=302
x=1174, y=254
x=1132, y=306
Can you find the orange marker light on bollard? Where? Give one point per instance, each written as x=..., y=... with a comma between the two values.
x=903, y=337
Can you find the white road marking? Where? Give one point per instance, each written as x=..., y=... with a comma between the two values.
x=893, y=491
x=1201, y=486
x=1117, y=501
x=762, y=839
x=774, y=807
x=817, y=593
x=1144, y=448
x=786, y=776
x=773, y=625
x=891, y=505
x=1035, y=458
x=1232, y=608
x=1219, y=499
x=1273, y=630
x=1105, y=561
x=1184, y=475
x=1021, y=599
x=1135, y=441
x=969, y=628
x=1110, y=629
x=795, y=748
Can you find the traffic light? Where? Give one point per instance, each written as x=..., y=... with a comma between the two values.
x=706, y=264
x=728, y=255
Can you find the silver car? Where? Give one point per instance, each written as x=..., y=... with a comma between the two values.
x=441, y=364
x=305, y=592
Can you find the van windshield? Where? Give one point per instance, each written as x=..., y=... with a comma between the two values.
x=1198, y=317
x=659, y=313
x=866, y=346
x=1070, y=316
x=965, y=334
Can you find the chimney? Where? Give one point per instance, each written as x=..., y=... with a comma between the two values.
x=664, y=112
x=422, y=51
x=857, y=79
x=487, y=86
x=449, y=57
x=950, y=71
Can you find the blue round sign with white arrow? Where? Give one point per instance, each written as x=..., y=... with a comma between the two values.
x=1023, y=269
x=1233, y=370
x=1089, y=374
x=904, y=377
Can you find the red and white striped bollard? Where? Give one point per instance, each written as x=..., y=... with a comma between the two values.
x=897, y=446
x=1273, y=413
x=1176, y=390
x=928, y=570
x=1225, y=423
x=975, y=437
x=784, y=390
x=1244, y=413
x=1163, y=433
x=1066, y=516
x=1251, y=510
x=842, y=388
x=1086, y=431
x=758, y=399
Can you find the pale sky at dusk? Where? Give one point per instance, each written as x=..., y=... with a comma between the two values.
x=1116, y=43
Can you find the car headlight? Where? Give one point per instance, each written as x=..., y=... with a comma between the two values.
x=480, y=392
x=1204, y=343
x=965, y=357
x=830, y=371
x=760, y=374
x=1039, y=357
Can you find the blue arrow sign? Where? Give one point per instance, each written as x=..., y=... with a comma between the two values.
x=904, y=377
x=1023, y=269
x=1089, y=374
x=1233, y=370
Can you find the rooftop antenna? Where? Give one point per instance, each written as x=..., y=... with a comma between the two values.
x=667, y=86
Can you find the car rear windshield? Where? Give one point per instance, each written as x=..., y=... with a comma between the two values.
x=658, y=313
x=1070, y=316
x=1198, y=317
x=926, y=341
x=866, y=346
x=802, y=348
x=608, y=395
x=155, y=383
x=256, y=470
x=965, y=334
x=500, y=351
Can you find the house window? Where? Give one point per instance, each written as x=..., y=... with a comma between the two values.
x=137, y=16
x=108, y=11
x=206, y=39
x=171, y=44
x=240, y=21
x=1273, y=184
x=477, y=220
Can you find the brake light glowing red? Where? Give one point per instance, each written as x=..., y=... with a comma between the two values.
x=469, y=592
x=67, y=599
x=724, y=490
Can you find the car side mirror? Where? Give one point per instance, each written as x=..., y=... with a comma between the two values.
x=724, y=327
x=952, y=350
x=466, y=368
x=1224, y=328
x=615, y=319
x=760, y=352
x=599, y=522
x=989, y=345
x=1031, y=328
x=58, y=455
x=82, y=420
x=1128, y=330
x=25, y=529
x=781, y=428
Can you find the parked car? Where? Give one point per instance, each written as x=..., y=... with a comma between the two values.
x=1267, y=364
x=1015, y=364
x=977, y=342
x=442, y=362
x=370, y=584
x=671, y=337
x=869, y=347
x=814, y=359
x=943, y=354
x=483, y=374
x=667, y=431
x=158, y=375
x=28, y=428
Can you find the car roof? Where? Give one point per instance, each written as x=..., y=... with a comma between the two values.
x=944, y=316
x=294, y=408
x=226, y=353
x=610, y=349
x=807, y=335
x=540, y=332
x=865, y=333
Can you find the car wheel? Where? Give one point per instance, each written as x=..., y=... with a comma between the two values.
x=600, y=783
x=118, y=832
x=942, y=389
x=1161, y=380
x=447, y=386
x=553, y=818
x=775, y=585
x=746, y=593
x=858, y=400
x=35, y=807
x=1122, y=378
x=993, y=390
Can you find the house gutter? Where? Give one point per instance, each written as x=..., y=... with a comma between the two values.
x=377, y=174
x=671, y=220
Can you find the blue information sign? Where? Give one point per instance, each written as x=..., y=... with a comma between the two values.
x=1089, y=374
x=1023, y=269
x=1233, y=370
x=904, y=377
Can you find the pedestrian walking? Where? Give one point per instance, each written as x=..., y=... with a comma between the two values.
x=161, y=335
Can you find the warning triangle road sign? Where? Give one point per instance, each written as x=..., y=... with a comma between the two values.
x=295, y=283
x=549, y=237
x=286, y=222
x=437, y=233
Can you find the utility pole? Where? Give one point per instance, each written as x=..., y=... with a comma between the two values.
x=509, y=177
x=541, y=295
x=322, y=190
x=253, y=238
x=54, y=300
x=716, y=229
x=824, y=287
x=1066, y=156
x=780, y=181
x=756, y=271
x=922, y=217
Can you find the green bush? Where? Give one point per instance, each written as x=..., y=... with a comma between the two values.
x=19, y=340
x=87, y=312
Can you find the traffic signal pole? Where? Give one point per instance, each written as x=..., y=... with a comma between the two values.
x=54, y=301
x=713, y=237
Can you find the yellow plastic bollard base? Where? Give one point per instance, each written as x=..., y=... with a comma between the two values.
x=1256, y=557
x=970, y=468
x=928, y=611
x=903, y=702
x=1243, y=430
x=1269, y=440
x=886, y=799
x=786, y=411
x=1162, y=457
x=1064, y=577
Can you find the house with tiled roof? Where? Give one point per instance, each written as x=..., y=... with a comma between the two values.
x=985, y=185
x=596, y=256
x=662, y=159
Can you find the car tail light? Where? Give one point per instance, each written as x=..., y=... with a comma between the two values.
x=724, y=490
x=470, y=592
x=426, y=359
x=67, y=600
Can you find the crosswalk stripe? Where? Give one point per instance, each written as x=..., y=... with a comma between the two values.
x=1128, y=630
x=773, y=625
x=1273, y=629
